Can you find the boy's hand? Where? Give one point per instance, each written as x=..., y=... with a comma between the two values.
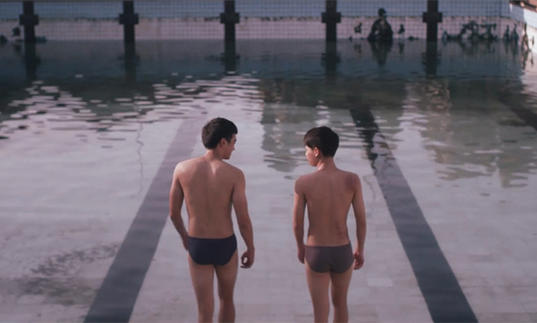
x=247, y=258
x=301, y=253
x=358, y=259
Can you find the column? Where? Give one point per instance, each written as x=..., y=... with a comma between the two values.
x=29, y=20
x=331, y=18
x=128, y=19
x=432, y=17
x=229, y=18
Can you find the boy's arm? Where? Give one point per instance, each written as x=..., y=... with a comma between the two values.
x=298, y=219
x=176, y=202
x=359, y=214
x=240, y=204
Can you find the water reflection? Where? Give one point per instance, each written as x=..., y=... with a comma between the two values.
x=281, y=120
x=330, y=59
x=31, y=61
x=463, y=123
x=462, y=104
x=471, y=135
x=380, y=51
x=431, y=58
x=130, y=59
x=509, y=51
x=294, y=106
x=113, y=106
x=230, y=57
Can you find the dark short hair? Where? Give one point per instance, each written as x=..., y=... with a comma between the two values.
x=215, y=130
x=324, y=138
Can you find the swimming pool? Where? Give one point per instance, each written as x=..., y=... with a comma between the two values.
x=88, y=134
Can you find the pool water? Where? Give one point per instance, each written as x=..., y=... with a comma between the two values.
x=447, y=133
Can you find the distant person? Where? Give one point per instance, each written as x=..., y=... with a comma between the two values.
x=381, y=31
x=328, y=194
x=210, y=187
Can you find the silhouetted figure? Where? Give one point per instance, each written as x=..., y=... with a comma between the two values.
x=401, y=29
x=16, y=36
x=381, y=30
x=488, y=35
x=473, y=27
x=471, y=31
x=445, y=36
x=3, y=39
x=358, y=28
x=524, y=42
x=507, y=34
x=514, y=35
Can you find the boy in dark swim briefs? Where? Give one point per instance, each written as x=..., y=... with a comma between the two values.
x=328, y=194
x=210, y=187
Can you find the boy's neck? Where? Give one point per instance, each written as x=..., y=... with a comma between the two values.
x=326, y=163
x=212, y=154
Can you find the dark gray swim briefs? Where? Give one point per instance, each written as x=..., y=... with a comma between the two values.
x=334, y=259
x=216, y=252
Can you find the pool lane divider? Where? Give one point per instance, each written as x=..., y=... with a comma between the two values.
x=443, y=295
x=117, y=295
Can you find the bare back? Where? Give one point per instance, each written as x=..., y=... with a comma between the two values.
x=208, y=187
x=328, y=195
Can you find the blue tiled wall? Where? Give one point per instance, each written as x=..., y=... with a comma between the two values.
x=10, y=10
x=481, y=8
x=254, y=8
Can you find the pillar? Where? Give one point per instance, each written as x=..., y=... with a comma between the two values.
x=331, y=18
x=432, y=17
x=29, y=20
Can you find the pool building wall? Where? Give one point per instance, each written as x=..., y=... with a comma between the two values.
x=175, y=20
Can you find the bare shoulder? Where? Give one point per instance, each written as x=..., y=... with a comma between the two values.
x=352, y=180
x=351, y=175
x=233, y=171
x=186, y=165
x=303, y=181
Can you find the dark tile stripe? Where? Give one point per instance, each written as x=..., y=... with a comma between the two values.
x=515, y=102
x=115, y=299
x=528, y=116
x=445, y=300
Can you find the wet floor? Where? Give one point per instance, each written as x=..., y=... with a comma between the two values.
x=444, y=139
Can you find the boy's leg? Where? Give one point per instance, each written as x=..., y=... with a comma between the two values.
x=202, y=281
x=340, y=287
x=318, y=286
x=227, y=276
